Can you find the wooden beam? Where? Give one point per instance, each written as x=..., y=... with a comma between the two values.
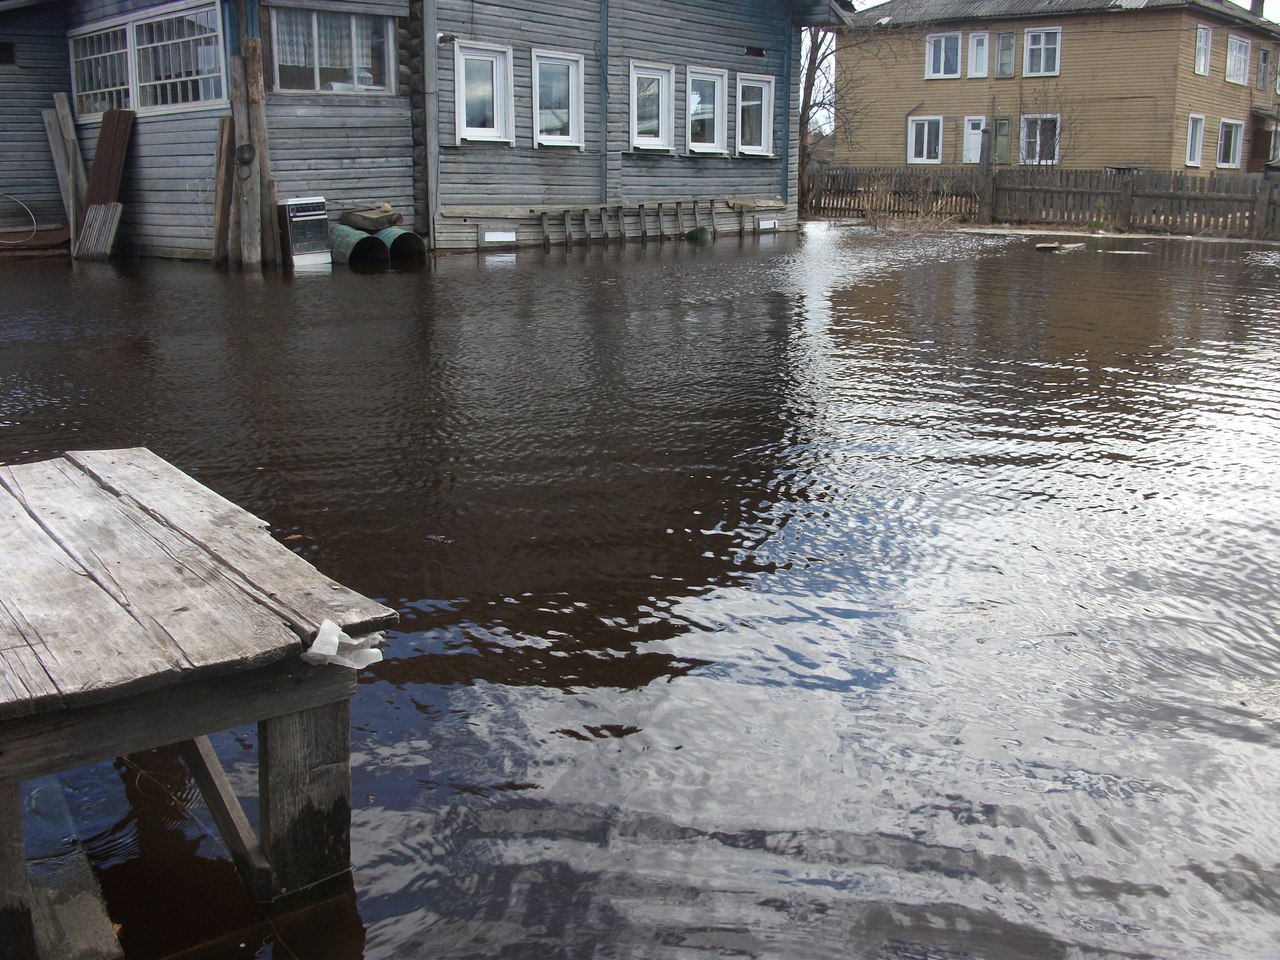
x=17, y=935
x=206, y=770
x=304, y=789
x=53, y=131
x=247, y=168
x=255, y=92
x=224, y=167
x=64, y=739
x=67, y=124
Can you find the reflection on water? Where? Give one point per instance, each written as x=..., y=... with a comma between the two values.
x=858, y=596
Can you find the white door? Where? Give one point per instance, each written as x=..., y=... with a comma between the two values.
x=973, y=127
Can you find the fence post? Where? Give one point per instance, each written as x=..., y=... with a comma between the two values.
x=986, y=181
x=1262, y=209
x=1124, y=209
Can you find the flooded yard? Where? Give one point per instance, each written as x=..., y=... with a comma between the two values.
x=850, y=595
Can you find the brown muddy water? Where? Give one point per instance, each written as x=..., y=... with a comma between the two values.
x=844, y=596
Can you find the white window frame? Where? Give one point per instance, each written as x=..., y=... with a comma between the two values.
x=764, y=149
x=979, y=54
x=1034, y=42
x=721, y=79
x=912, y=123
x=503, y=130
x=1238, y=139
x=1195, y=139
x=132, y=87
x=389, y=44
x=1204, y=49
x=964, y=140
x=1022, y=139
x=577, y=98
x=1238, y=49
x=935, y=49
x=666, y=75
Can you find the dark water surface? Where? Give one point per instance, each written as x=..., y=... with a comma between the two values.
x=849, y=596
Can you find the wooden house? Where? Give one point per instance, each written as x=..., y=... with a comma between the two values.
x=482, y=121
x=1174, y=85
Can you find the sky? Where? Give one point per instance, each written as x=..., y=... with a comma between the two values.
x=1271, y=9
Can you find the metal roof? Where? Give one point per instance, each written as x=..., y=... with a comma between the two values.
x=918, y=12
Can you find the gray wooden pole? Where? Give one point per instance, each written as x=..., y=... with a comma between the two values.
x=17, y=937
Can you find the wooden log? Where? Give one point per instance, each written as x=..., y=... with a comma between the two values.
x=546, y=233
x=247, y=855
x=67, y=124
x=304, y=787
x=568, y=230
x=248, y=172
x=255, y=93
x=586, y=225
x=223, y=166
x=17, y=934
x=644, y=227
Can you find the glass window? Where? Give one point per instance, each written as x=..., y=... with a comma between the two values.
x=1237, y=60
x=1195, y=139
x=557, y=99
x=1204, y=47
x=978, y=54
x=1042, y=53
x=924, y=140
x=1003, y=140
x=1039, y=139
x=1264, y=68
x=652, y=106
x=708, y=105
x=755, y=115
x=150, y=64
x=1230, y=139
x=482, y=92
x=1005, y=45
x=942, y=55
x=331, y=52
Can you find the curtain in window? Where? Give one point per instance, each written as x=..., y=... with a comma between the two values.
x=293, y=37
x=368, y=30
x=334, y=31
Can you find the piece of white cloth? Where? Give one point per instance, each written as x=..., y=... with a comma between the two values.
x=331, y=645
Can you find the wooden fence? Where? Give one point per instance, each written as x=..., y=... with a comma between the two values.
x=1234, y=205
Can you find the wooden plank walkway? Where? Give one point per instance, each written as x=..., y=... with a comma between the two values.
x=138, y=608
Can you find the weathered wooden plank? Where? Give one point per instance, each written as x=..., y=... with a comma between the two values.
x=17, y=935
x=183, y=597
x=304, y=790
x=64, y=739
x=50, y=610
x=235, y=537
x=247, y=855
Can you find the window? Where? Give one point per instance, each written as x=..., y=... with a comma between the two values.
x=1204, y=46
x=1264, y=68
x=1237, y=60
x=1000, y=151
x=557, y=99
x=924, y=139
x=333, y=52
x=1230, y=139
x=1039, y=139
x=755, y=115
x=8, y=53
x=1274, y=155
x=941, y=55
x=1042, y=52
x=1195, y=138
x=652, y=106
x=978, y=54
x=974, y=129
x=1005, y=45
x=482, y=92
x=151, y=65
x=708, y=109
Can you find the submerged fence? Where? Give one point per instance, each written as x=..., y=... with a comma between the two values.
x=1235, y=205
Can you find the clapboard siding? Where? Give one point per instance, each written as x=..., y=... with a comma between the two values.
x=168, y=183
x=26, y=164
x=739, y=36
x=353, y=151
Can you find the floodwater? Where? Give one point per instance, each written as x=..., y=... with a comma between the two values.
x=850, y=595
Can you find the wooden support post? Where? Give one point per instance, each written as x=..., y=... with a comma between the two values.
x=206, y=770
x=248, y=172
x=17, y=934
x=1124, y=210
x=662, y=227
x=604, y=225
x=546, y=234
x=644, y=228
x=67, y=123
x=304, y=786
x=586, y=226
x=568, y=230
x=255, y=93
x=622, y=224
x=224, y=171
x=1261, y=209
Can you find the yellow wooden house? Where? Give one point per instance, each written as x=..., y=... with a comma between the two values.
x=1179, y=85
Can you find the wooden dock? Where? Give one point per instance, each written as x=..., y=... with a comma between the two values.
x=138, y=608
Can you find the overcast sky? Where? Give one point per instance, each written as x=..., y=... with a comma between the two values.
x=1271, y=10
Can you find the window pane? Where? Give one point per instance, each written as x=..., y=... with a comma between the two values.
x=333, y=50
x=295, y=58
x=751, y=132
x=951, y=55
x=648, y=107
x=179, y=59
x=371, y=50
x=702, y=110
x=481, y=88
x=553, y=99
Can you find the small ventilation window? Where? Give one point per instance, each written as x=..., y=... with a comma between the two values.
x=8, y=53
x=756, y=52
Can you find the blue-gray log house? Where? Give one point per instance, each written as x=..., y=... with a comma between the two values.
x=567, y=106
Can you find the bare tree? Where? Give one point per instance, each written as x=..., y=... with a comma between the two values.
x=817, y=100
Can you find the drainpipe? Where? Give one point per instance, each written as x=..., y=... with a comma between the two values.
x=906, y=150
